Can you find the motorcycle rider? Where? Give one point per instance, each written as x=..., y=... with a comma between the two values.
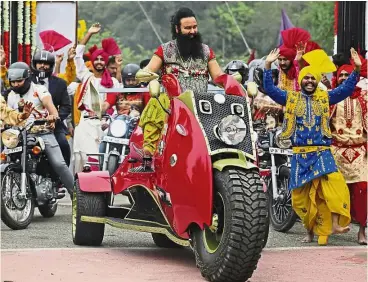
x=23, y=90
x=264, y=107
x=189, y=60
x=240, y=67
x=42, y=65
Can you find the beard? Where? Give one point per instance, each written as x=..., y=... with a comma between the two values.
x=190, y=47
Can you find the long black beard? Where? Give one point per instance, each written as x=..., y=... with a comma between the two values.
x=190, y=47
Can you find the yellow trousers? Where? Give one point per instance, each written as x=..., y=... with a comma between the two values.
x=317, y=200
x=152, y=121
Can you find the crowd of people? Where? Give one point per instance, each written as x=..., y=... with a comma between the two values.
x=325, y=120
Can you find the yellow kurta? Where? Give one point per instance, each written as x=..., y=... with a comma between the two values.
x=70, y=72
x=8, y=115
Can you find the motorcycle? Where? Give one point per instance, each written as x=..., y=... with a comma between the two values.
x=274, y=161
x=116, y=139
x=205, y=190
x=27, y=181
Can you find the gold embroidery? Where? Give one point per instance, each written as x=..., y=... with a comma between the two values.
x=296, y=106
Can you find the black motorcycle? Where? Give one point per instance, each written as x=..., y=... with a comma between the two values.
x=27, y=180
x=274, y=162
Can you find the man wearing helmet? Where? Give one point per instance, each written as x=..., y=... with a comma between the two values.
x=42, y=65
x=24, y=90
x=240, y=67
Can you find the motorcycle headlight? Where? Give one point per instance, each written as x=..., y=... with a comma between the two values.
x=10, y=138
x=282, y=144
x=118, y=128
x=232, y=130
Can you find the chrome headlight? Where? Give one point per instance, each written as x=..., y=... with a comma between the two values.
x=10, y=138
x=281, y=143
x=232, y=130
x=118, y=128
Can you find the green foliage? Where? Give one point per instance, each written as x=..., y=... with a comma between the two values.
x=258, y=21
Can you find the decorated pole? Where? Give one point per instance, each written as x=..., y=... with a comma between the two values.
x=20, y=22
x=6, y=33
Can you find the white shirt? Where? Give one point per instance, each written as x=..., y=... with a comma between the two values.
x=35, y=94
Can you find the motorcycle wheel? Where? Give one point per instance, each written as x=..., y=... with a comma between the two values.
x=11, y=206
x=112, y=164
x=231, y=252
x=282, y=215
x=48, y=210
x=88, y=204
x=162, y=241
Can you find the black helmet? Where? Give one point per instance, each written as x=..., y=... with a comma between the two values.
x=258, y=76
x=43, y=56
x=238, y=66
x=19, y=71
x=129, y=71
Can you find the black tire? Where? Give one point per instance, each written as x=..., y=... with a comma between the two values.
x=243, y=223
x=279, y=222
x=267, y=232
x=88, y=204
x=48, y=210
x=5, y=216
x=112, y=164
x=162, y=241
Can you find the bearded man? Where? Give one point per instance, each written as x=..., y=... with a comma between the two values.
x=349, y=146
x=189, y=60
x=320, y=195
x=90, y=102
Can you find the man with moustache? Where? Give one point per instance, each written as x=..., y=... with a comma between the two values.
x=189, y=60
x=92, y=105
x=320, y=195
x=349, y=145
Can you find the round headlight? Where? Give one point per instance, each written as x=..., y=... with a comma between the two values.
x=232, y=130
x=10, y=138
x=281, y=143
x=118, y=128
x=219, y=98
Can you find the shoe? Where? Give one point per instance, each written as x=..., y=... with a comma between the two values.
x=146, y=167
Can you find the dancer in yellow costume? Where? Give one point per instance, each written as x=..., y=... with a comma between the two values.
x=320, y=195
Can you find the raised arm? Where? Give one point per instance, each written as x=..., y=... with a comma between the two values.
x=347, y=87
x=83, y=72
x=275, y=93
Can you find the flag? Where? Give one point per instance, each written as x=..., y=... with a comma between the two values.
x=285, y=24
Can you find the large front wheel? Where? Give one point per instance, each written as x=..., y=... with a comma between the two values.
x=230, y=248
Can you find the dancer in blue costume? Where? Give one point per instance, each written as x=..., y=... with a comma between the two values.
x=320, y=195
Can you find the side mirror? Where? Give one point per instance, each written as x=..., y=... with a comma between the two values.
x=238, y=77
x=154, y=88
x=145, y=76
x=252, y=89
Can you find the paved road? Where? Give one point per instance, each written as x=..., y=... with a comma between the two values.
x=132, y=256
x=56, y=233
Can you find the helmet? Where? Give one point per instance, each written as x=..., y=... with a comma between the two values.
x=238, y=66
x=258, y=76
x=19, y=71
x=44, y=57
x=129, y=72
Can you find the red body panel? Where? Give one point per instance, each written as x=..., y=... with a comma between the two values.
x=94, y=181
x=231, y=86
x=189, y=181
x=171, y=83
